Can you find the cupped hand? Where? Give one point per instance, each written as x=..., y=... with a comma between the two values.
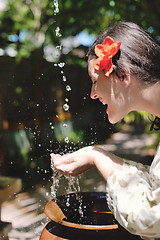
x=74, y=163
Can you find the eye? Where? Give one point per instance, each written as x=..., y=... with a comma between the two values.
x=94, y=82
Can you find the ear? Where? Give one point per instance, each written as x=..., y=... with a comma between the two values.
x=126, y=79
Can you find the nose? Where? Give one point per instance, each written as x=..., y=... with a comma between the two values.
x=93, y=94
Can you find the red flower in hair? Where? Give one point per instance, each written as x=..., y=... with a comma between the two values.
x=105, y=53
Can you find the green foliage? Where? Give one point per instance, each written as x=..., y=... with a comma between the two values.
x=74, y=136
x=34, y=21
x=29, y=21
x=137, y=117
x=143, y=119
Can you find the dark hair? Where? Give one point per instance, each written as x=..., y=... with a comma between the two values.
x=139, y=53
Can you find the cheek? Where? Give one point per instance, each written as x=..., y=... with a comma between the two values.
x=106, y=88
x=117, y=94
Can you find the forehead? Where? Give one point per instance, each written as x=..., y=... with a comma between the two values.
x=91, y=60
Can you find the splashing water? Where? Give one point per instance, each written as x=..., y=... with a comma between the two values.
x=64, y=78
x=58, y=34
x=61, y=64
x=55, y=182
x=72, y=183
x=68, y=88
x=66, y=139
x=66, y=107
x=65, y=125
x=56, y=7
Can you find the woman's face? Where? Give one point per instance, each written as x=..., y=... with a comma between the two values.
x=109, y=90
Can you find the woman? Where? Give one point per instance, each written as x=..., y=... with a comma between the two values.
x=124, y=66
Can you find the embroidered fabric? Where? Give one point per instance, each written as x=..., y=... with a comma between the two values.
x=133, y=195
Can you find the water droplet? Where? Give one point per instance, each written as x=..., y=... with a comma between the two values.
x=66, y=107
x=59, y=47
x=61, y=64
x=66, y=99
x=67, y=202
x=65, y=125
x=66, y=140
x=56, y=7
x=68, y=88
x=52, y=166
x=80, y=211
x=58, y=34
x=64, y=79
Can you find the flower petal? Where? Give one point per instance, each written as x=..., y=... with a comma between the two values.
x=107, y=42
x=101, y=63
x=105, y=52
x=97, y=63
x=109, y=68
x=113, y=49
x=99, y=50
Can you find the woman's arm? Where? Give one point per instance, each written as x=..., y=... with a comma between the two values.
x=133, y=191
x=86, y=158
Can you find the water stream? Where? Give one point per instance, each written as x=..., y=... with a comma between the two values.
x=72, y=182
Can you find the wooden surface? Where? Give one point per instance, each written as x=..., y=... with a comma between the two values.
x=26, y=213
x=9, y=187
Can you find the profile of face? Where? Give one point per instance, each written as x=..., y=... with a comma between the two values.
x=111, y=91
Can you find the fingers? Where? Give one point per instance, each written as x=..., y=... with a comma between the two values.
x=55, y=159
x=58, y=159
x=68, y=169
x=64, y=164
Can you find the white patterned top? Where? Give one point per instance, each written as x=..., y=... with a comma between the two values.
x=133, y=195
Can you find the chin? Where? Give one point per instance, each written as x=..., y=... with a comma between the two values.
x=114, y=119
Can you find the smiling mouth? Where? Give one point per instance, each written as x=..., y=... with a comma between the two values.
x=101, y=100
x=107, y=109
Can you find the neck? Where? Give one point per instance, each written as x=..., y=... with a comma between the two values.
x=148, y=98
